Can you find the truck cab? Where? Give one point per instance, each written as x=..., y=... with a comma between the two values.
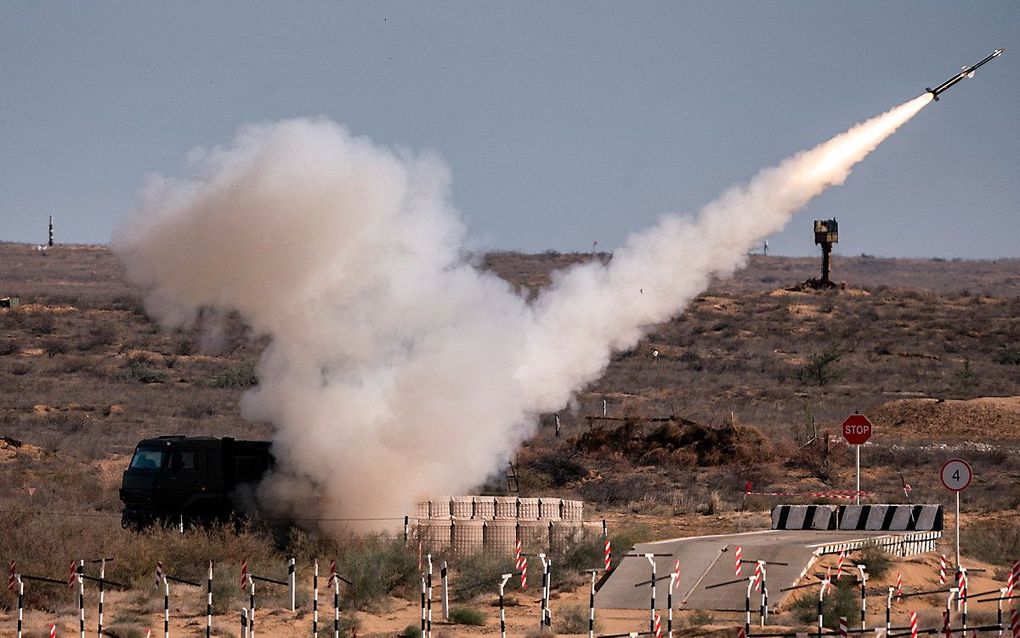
x=191, y=479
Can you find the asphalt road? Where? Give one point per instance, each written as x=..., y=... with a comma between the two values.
x=709, y=560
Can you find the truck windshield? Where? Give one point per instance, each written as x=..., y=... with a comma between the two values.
x=147, y=459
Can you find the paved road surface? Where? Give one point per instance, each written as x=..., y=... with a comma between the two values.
x=708, y=560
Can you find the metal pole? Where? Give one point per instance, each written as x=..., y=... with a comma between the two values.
x=591, y=607
x=541, y=609
x=20, y=604
x=315, y=599
x=998, y=611
x=965, y=591
x=422, y=606
x=81, y=596
x=888, y=612
x=747, y=606
x=444, y=592
x=102, y=582
x=251, y=609
x=407, y=525
x=336, y=606
x=957, y=530
x=858, y=474
x=864, y=596
x=166, y=608
x=669, y=603
x=821, y=595
x=502, y=616
x=651, y=606
x=292, y=582
x=428, y=632
x=244, y=623
x=764, y=594
x=208, y=603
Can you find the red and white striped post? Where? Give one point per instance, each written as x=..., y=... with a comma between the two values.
x=1014, y=623
x=913, y=624
x=53, y=631
x=524, y=572
x=608, y=553
x=674, y=578
x=657, y=626
x=842, y=626
x=839, y=565
x=942, y=569
x=737, y=555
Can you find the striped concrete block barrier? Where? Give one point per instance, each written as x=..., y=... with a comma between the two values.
x=821, y=517
x=891, y=518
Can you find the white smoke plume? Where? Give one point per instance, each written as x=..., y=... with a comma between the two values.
x=396, y=369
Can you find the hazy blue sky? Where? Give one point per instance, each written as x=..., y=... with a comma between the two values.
x=563, y=122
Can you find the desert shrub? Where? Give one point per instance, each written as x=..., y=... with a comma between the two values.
x=20, y=368
x=42, y=323
x=411, y=631
x=99, y=335
x=479, y=573
x=876, y=560
x=238, y=376
x=1008, y=356
x=699, y=618
x=53, y=346
x=842, y=600
x=818, y=370
x=558, y=469
x=377, y=567
x=139, y=370
x=8, y=346
x=996, y=542
x=572, y=619
x=467, y=616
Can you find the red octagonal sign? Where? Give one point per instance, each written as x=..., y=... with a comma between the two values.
x=856, y=429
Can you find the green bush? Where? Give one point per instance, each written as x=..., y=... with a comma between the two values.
x=1008, y=356
x=239, y=376
x=467, y=616
x=377, y=567
x=876, y=560
x=411, y=631
x=572, y=619
x=843, y=600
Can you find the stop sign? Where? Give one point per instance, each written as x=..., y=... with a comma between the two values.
x=856, y=429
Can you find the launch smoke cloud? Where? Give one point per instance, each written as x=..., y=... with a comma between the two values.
x=395, y=368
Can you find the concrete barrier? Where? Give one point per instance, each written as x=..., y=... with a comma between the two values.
x=891, y=518
x=821, y=517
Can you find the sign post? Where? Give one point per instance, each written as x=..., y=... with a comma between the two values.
x=956, y=475
x=856, y=431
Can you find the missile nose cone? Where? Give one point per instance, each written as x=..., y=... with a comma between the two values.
x=998, y=52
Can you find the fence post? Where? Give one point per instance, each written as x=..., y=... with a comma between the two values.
x=166, y=607
x=502, y=616
x=81, y=596
x=407, y=525
x=208, y=603
x=20, y=604
x=244, y=623
x=445, y=592
x=428, y=632
x=251, y=608
x=591, y=606
x=422, y=605
x=315, y=599
x=292, y=582
x=336, y=606
x=864, y=595
x=102, y=583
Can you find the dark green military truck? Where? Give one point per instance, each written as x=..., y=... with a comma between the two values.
x=191, y=480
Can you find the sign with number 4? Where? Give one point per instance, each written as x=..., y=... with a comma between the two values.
x=956, y=475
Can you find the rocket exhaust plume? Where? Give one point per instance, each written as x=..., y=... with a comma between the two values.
x=395, y=368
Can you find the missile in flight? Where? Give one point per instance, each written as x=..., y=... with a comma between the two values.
x=966, y=72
